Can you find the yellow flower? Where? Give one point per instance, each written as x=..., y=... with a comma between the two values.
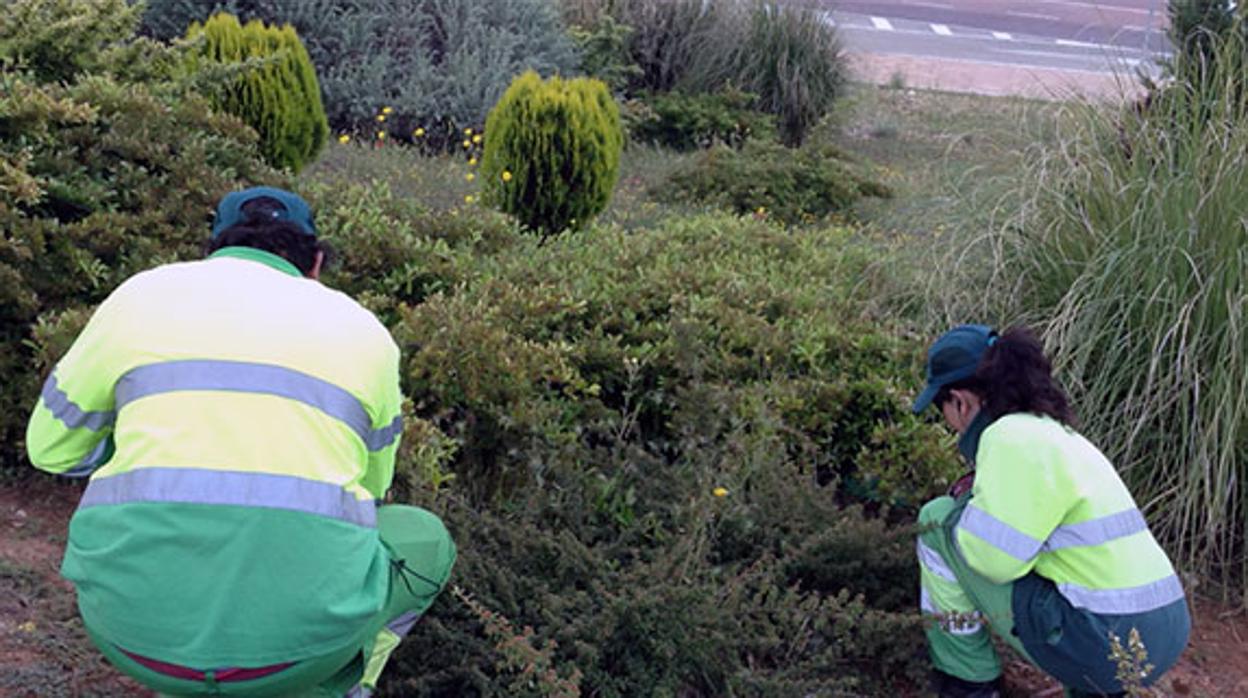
x=381, y=117
x=720, y=492
x=470, y=176
x=468, y=199
x=381, y=135
x=476, y=138
x=386, y=110
x=467, y=143
x=506, y=176
x=472, y=162
x=761, y=210
x=467, y=132
x=418, y=132
x=344, y=138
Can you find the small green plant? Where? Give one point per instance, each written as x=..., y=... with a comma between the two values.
x=280, y=97
x=769, y=180
x=536, y=673
x=604, y=52
x=1131, y=662
x=897, y=81
x=686, y=122
x=553, y=152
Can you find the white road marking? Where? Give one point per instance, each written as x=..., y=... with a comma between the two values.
x=1079, y=44
x=1002, y=36
x=942, y=30
x=882, y=24
x=1100, y=6
x=933, y=5
x=1032, y=15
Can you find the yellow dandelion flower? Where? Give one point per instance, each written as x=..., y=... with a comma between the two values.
x=344, y=138
x=470, y=176
x=506, y=176
x=761, y=210
x=472, y=162
x=381, y=135
x=720, y=492
x=468, y=199
x=467, y=143
x=381, y=117
x=418, y=132
x=467, y=132
x=476, y=138
x=387, y=110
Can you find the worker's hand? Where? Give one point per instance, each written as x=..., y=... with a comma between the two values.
x=962, y=485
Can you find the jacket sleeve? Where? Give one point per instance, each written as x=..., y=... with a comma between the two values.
x=383, y=443
x=1018, y=499
x=70, y=430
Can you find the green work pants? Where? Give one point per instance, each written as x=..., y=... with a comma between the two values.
x=422, y=554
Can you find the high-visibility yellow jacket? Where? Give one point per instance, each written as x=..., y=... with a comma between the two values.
x=238, y=422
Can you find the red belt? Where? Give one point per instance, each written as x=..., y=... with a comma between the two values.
x=228, y=674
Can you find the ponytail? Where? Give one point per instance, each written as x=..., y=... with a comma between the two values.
x=1015, y=376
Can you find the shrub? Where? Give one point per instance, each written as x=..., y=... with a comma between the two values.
x=1132, y=259
x=686, y=122
x=553, y=152
x=439, y=64
x=792, y=186
x=688, y=44
x=794, y=62
x=102, y=175
x=279, y=98
x=604, y=52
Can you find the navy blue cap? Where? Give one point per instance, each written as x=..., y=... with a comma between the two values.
x=291, y=208
x=953, y=357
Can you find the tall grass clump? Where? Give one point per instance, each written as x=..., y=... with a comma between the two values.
x=1131, y=250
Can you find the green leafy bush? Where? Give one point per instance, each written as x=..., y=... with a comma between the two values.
x=766, y=179
x=552, y=155
x=686, y=122
x=439, y=64
x=102, y=175
x=279, y=98
x=604, y=52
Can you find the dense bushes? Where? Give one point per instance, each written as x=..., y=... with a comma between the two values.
x=793, y=186
x=279, y=98
x=686, y=122
x=553, y=153
x=102, y=175
x=439, y=64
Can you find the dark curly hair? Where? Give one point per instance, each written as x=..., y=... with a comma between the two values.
x=1015, y=376
x=261, y=231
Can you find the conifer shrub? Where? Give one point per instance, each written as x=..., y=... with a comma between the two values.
x=552, y=155
x=279, y=97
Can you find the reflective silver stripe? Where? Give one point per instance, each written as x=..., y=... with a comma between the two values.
x=193, y=486
x=935, y=563
x=998, y=534
x=359, y=691
x=1097, y=531
x=266, y=379
x=925, y=602
x=73, y=416
x=402, y=625
x=1123, y=601
x=93, y=460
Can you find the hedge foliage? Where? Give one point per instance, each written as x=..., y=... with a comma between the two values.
x=109, y=165
x=439, y=64
x=553, y=152
x=279, y=98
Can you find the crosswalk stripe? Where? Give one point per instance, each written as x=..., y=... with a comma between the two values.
x=882, y=24
x=1003, y=36
x=942, y=30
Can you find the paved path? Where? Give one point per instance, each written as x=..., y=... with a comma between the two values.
x=1033, y=47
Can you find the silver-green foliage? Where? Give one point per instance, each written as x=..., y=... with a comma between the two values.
x=431, y=61
x=1131, y=250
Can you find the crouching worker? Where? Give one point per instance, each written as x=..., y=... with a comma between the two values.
x=1043, y=544
x=238, y=422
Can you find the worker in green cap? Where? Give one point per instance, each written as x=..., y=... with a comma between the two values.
x=1042, y=543
x=239, y=422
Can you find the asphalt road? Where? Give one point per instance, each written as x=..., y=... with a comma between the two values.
x=1081, y=35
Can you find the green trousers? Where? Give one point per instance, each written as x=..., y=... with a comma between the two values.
x=963, y=607
x=422, y=555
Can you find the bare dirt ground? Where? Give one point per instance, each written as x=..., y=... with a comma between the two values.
x=45, y=653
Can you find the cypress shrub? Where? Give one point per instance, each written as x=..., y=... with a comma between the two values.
x=552, y=152
x=279, y=97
